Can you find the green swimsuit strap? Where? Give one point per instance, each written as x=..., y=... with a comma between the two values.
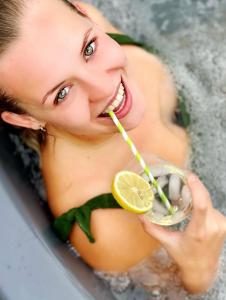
x=123, y=39
x=81, y=215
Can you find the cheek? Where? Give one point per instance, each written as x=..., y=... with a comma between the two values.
x=75, y=114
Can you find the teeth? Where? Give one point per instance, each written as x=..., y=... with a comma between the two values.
x=118, y=100
x=121, y=92
x=115, y=103
x=111, y=107
x=121, y=86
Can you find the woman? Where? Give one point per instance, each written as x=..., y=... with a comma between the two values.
x=60, y=73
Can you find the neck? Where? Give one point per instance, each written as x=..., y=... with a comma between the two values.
x=81, y=141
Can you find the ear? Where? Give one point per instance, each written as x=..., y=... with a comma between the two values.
x=22, y=120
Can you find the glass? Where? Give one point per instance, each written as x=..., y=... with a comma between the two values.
x=173, y=181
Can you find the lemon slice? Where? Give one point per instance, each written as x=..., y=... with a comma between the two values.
x=132, y=192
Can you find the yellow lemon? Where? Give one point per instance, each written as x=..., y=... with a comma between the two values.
x=132, y=192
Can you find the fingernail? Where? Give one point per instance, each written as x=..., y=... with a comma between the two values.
x=192, y=178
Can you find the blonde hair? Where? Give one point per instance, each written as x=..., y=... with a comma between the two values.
x=10, y=13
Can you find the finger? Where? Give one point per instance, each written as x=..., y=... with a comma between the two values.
x=161, y=234
x=200, y=199
x=222, y=221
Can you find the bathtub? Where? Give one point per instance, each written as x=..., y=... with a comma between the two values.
x=34, y=264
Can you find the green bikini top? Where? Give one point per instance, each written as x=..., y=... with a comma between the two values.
x=82, y=214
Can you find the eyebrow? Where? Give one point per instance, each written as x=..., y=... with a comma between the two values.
x=85, y=39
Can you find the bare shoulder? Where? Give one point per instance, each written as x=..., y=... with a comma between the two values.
x=97, y=16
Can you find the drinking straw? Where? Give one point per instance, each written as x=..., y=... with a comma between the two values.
x=141, y=161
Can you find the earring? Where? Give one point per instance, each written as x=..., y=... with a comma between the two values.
x=42, y=128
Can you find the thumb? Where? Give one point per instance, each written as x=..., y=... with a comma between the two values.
x=201, y=202
x=160, y=233
x=200, y=195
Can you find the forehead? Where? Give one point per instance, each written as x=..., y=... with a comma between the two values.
x=49, y=32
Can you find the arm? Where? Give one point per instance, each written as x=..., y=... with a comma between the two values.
x=116, y=232
x=197, y=249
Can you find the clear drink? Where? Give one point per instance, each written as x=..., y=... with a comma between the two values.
x=174, y=184
x=173, y=181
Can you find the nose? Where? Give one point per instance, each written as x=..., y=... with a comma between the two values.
x=114, y=58
x=104, y=76
x=101, y=88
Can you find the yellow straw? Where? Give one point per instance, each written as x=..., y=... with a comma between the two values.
x=142, y=162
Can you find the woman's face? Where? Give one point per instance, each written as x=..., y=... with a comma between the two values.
x=67, y=72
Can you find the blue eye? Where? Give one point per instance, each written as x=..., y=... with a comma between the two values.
x=90, y=49
x=61, y=95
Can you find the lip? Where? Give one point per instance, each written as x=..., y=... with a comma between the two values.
x=126, y=106
x=124, y=110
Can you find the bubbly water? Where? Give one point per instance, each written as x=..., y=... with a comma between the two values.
x=191, y=35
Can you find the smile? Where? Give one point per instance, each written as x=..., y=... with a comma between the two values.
x=118, y=101
x=118, y=104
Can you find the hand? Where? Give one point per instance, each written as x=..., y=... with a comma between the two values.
x=197, y=249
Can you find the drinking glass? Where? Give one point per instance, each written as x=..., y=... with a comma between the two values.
x=173, y=181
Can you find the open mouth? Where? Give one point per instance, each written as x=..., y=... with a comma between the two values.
x=118, y=103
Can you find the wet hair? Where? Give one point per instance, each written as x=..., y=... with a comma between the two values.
x=11, y=12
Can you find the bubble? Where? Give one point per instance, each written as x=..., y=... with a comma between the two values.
x=155, y=292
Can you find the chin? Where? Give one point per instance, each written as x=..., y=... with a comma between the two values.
x=134, y=118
